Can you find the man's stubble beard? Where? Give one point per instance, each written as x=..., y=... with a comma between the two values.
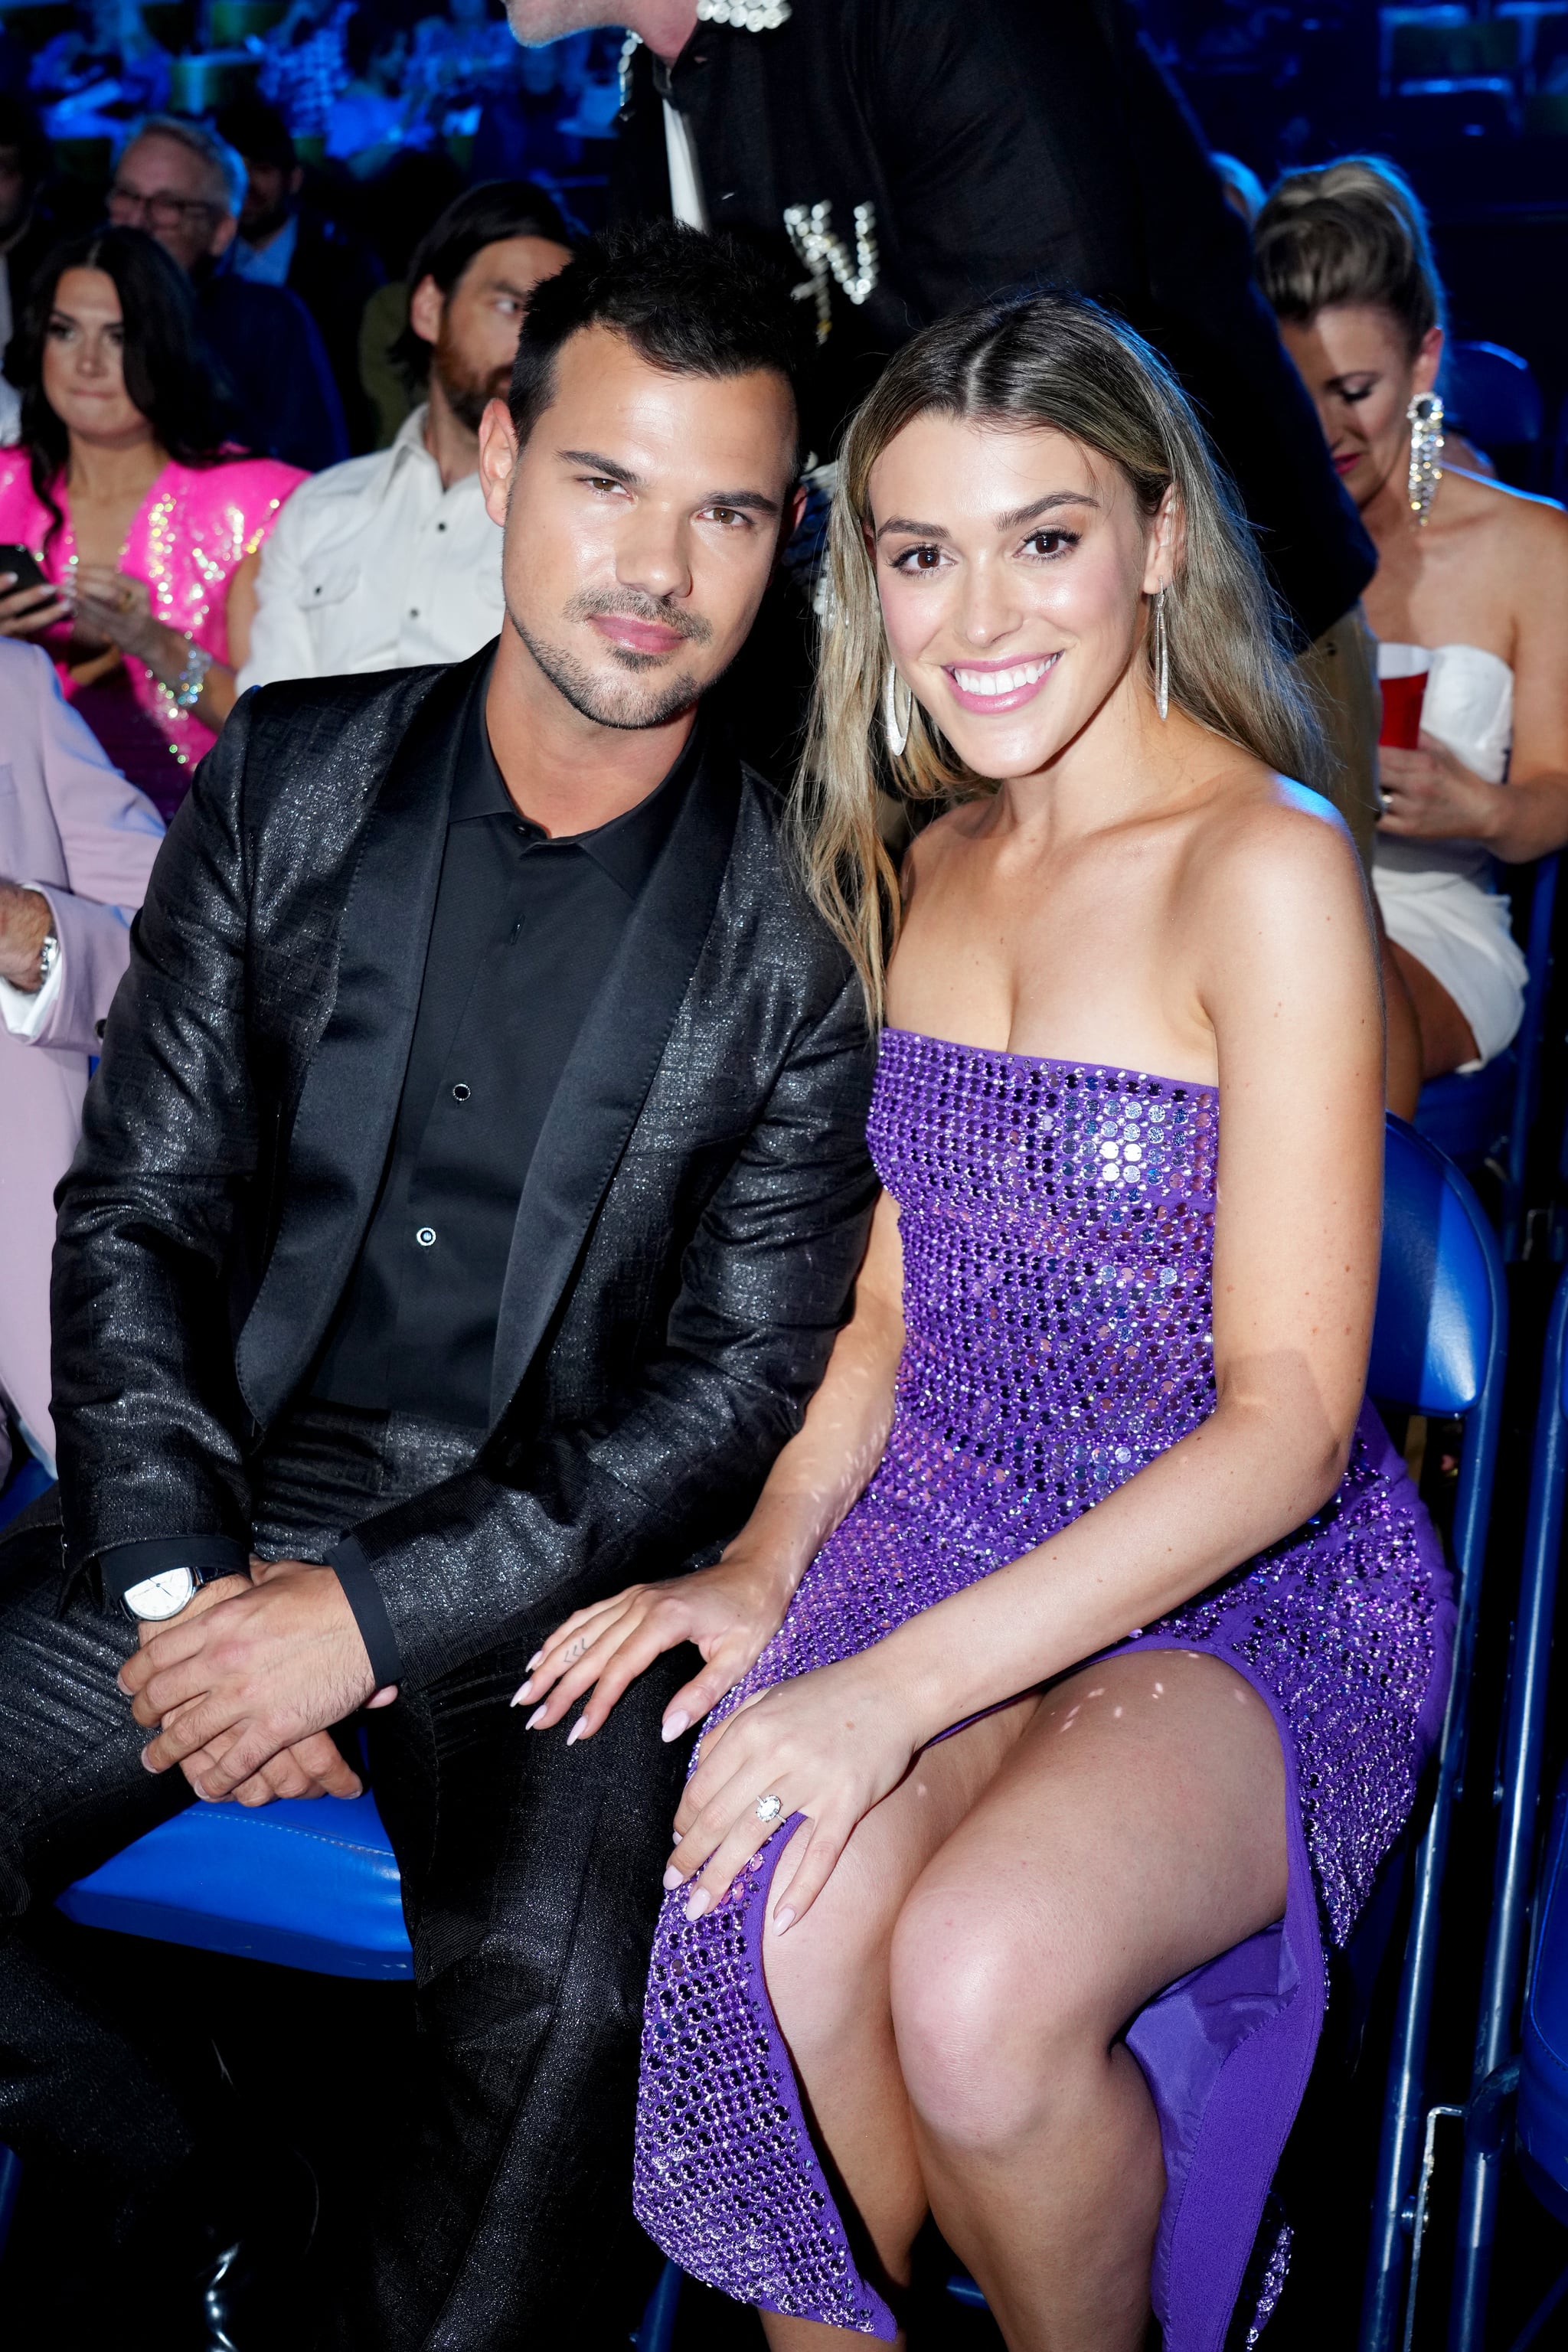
x=612, y=703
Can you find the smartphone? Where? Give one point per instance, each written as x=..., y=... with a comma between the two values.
x=23, y=563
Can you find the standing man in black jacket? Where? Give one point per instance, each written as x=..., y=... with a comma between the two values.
x=909, y=157
x=469, y=1199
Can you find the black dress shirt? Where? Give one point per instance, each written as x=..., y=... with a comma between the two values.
x=523, y=932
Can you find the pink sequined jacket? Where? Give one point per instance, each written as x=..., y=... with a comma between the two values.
x=191, y=532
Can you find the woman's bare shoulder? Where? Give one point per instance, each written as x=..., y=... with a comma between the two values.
x=1524, y=520
x=1269, y=843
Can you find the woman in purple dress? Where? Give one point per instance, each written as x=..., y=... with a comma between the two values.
x=1075, y=1672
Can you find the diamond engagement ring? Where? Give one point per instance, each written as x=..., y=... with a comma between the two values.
x=769, y=1808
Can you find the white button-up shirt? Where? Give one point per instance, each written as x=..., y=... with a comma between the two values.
x=373, y=565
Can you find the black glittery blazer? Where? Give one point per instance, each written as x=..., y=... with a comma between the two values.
x=1000, y=143
x=686, y=1239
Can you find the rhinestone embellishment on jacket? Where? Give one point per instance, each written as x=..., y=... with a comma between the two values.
x=826, y=257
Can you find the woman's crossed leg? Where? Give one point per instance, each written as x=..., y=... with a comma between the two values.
x=956, y=1999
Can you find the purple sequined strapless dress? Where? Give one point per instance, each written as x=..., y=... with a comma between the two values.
x=1058, y=1225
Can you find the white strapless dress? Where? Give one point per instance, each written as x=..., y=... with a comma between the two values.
x=1438, y=898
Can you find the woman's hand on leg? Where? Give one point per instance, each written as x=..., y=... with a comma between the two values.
x=729, y=1613
x=827, y=1745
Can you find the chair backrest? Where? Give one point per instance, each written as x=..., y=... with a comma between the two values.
x=1439, y=1306
x=1492, y=393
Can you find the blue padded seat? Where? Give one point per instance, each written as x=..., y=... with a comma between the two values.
x=1469, y=1118
x=310, y=1881
x=1543, y=2069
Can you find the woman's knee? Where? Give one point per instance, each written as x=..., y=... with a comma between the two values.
x=998, y=2022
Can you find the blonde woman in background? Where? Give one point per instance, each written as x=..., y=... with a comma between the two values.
x=1470, y=594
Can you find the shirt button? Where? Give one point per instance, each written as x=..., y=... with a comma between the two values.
x=459, y=1092
x=440, y=525
x=414, y=612
x=425, y=1237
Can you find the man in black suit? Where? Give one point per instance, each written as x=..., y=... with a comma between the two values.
x=469, y=1195
x=907, y=157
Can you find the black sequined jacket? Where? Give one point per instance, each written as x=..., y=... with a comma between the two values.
x=997, y=144
x=687, y=1236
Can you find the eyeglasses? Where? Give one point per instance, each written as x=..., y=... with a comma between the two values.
x=163, y=209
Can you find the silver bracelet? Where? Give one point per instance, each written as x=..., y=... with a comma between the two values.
x=187, y=688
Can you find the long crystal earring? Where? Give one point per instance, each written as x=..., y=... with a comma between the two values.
x=1162, y=658
x=897, y=720
x=1425, y=417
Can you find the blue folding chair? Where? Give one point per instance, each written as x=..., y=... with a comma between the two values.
x=1536, y=2073
x=1439, y=1349
x=1485, y=1119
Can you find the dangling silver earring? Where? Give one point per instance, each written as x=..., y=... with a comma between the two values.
x=1162, y=658
x=897, y=720
x=1425, y=417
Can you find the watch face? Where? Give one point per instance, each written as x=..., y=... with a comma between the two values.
x=164, y=1595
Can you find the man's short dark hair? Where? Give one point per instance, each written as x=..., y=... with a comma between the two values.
x=689, y=302
x=488, y=214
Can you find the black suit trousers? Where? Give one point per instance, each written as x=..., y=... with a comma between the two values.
x=531, y=1875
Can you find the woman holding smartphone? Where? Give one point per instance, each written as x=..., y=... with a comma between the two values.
x=144, y=522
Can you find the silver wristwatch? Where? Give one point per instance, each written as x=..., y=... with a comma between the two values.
x=49, y=956
x=166, y=1594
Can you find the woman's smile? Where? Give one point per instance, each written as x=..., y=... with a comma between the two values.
x=999, y=685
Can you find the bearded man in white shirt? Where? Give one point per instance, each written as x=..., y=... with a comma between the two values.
x=392, y=560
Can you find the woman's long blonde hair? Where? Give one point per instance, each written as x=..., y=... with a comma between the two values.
x=1057, y=361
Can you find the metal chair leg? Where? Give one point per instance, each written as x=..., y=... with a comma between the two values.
x=657, y=2331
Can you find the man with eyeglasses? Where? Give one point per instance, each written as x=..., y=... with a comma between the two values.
x=185, y=186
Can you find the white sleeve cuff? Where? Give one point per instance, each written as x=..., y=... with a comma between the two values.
x=24, y=1014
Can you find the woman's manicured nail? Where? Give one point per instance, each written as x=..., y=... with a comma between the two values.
x=783, y=1919
x=534, y=1660
x=671, y=1879
x=702, y=1901
x=579, y=1731
x=524, y=1691
x=532, y=1723
x=676, y=1836
x=674, y=1725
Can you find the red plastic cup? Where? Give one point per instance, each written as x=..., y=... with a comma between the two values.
x=1402, y=701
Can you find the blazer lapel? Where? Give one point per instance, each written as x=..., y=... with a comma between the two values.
x=612, y=1065
x=348, y=1105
